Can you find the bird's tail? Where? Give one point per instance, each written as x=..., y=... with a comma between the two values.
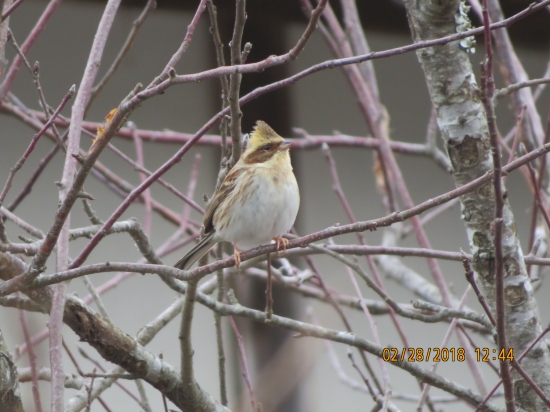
x=200, y=249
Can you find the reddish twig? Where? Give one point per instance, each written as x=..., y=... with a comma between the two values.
x=168, y=71
x=14, y=284
x=536, y=341
x=80, y=372
x=33, y=143
x=29, y=41
x=244, y=364
x=101, y=368
x=431, y=215
x=516, y=136
x=11, y=9
x=542, y=172
x=471, y=280
x=190, y=191
x=32, y=362
x=146, y=193
x=344, y=318
x=488, y=89
x=124, y=109
x=537, y=198
x=136, y=25
x=235, y=82
x=34, y=177
x=330, y=64
x=370, y=261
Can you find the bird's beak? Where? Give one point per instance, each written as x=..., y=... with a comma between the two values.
x=285, y=145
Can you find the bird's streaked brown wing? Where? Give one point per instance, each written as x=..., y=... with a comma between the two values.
x=226, y=188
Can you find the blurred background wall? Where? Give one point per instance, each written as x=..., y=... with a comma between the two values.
x=321, y=103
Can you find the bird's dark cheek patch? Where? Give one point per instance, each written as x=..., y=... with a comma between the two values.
x=258, y=156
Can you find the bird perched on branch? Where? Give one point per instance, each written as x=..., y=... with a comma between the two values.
x=256, y=203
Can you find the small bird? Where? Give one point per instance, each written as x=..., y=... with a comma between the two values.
x=257, y=202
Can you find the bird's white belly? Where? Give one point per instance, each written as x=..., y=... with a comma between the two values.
x=268, y=212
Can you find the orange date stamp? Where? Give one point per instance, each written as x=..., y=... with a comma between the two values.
x=444, y=354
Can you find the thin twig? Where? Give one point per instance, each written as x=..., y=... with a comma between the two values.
x=34, y=177
x=488, y=88
x=244, y=365
x=168, y=71
x=147, y=193
x=136, y=25
x=11, y=9
x=344, y=318
x=214, y=30
x=306, y=329
x=35, y=73
x=235, y=81
x=535, y=342
x=269, y=290
x=219, y=333
x=33, y=143
x=26, y=154
x=471, y=280
x=32, y=362
x=27, y=44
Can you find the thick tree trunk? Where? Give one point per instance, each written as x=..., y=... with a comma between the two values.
x=463, y=125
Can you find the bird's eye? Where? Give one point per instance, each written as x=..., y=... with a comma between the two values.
x=267, y=147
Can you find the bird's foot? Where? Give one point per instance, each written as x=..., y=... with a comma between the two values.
x=237, y=256
x=284, y=241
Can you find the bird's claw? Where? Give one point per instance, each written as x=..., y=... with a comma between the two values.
x=284, y=241
x=237, y=256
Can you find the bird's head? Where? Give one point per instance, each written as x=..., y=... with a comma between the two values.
x=265, y=144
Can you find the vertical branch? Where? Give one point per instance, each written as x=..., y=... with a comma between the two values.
x=244, y=365
x=235, y=81
x=488, y=90
x=67, y=179
x=269, y=291
x=359, y=43
x=186, y=347
x=143, y=395
x=32, y=362
x=215, y=31
x=517, y=74
x=147, y=193
x=4, y=29
x=219, y=332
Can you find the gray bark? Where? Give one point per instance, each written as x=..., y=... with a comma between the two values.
x=10, y=397
x=463, y=125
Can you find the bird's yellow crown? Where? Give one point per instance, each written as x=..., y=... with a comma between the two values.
x=262, y=135
x=264, y=144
